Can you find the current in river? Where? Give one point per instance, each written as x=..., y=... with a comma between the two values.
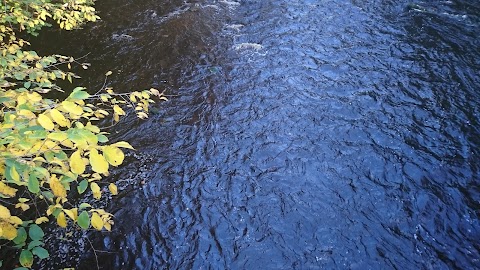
x=299, y=134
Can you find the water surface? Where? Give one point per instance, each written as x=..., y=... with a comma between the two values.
x=300, y=134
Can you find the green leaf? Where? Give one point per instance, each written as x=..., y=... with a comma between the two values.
x=56, y=212
x=38, y=134
x=21, y=268
x=19, y=76
x=82, y=186
x=49, y=156
x=21, y=237
x=82, y=136
x=83, y=220
x=35, y=232
x=40, y=252
x=33, y=185
x=42, y=171
x=79, y=94
x=102, y=138
x=26, y=258
x=48, y=195
x=35, y=243
x=84, y=205
x=12, y=175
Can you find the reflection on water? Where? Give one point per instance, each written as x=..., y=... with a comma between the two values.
x=305, y=134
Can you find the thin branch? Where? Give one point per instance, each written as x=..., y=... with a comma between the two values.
x=94, y=252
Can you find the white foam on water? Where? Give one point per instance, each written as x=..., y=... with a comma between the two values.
x=230, y=4
x=235, y=27
x=248, y=46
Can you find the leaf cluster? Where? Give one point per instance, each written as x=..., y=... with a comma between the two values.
x=51, y=150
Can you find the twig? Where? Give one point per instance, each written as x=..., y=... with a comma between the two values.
x=94, y=252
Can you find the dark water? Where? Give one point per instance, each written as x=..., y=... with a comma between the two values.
x=301, y=134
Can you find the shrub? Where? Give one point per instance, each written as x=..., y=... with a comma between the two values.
x=52, y=149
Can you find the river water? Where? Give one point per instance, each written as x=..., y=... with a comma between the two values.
x=299, y=134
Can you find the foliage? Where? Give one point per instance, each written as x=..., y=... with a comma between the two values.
x=52, y=149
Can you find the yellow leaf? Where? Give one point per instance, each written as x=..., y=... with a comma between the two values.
x=70, y=214
x=133, y=98
x=7, y=191
x=34, y=97
x=61, y=220
x=97, y=221
x=92, y=128
x=95, y=177
x=98, y=162
x=57, y=136
x=4, y=212
x=72, y=108
x=95, y=190
x=27, y=113
x=21, y=100
x=45, y=122
x=113, y=189
x=57, y=187
x=108, y=73
x=108, y=226
x=58, y=117
x=8, y=230
x=118, y=110
x=24, y=206
x=113, y=155
x=75, y=213
x=39, y=159
x=142, y=115
x=15, y=220
x=154, y=92
x=94, y=187
x=14, y=174
x=67, y=143
x=123, y=145
x=76, y=163
x=41, y=220
x=103, y=112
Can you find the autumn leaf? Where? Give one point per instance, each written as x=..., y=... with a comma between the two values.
x=61, y=220
x=113, y=189
x=7, y=191
x=97, y=221
x=8, y=230
x=57, y=187
x=95, y=190
x=98, y=162
x=113, y=155
x=77, y=165
x=45, y=122
x=58, y=117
